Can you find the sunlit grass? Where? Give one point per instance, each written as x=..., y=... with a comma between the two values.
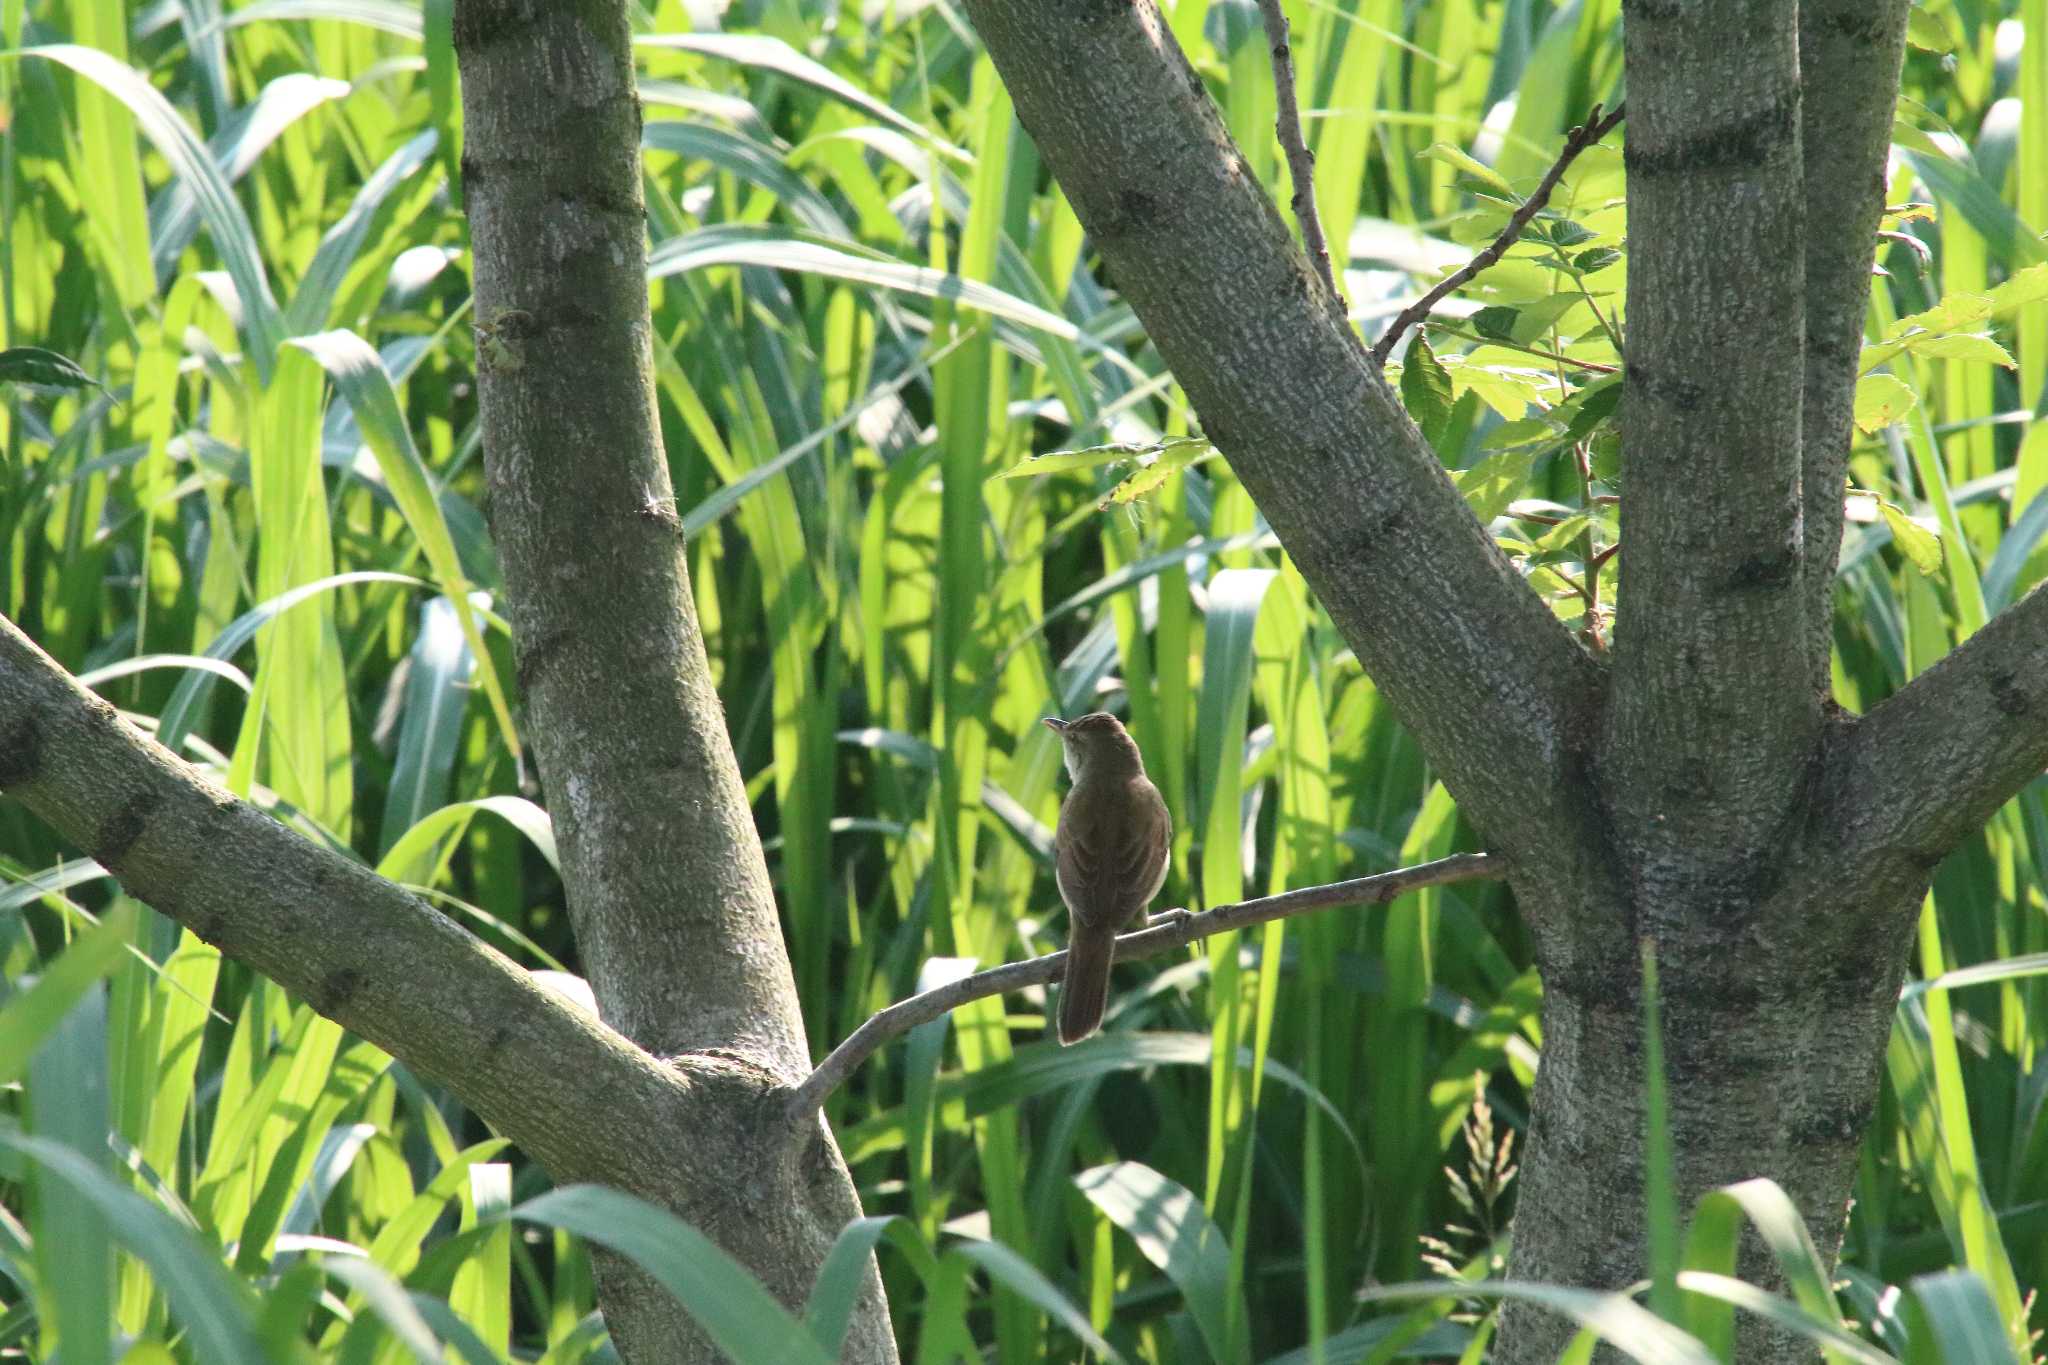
x=869, y=302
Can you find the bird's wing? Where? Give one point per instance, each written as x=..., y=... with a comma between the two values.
x=1108, y=876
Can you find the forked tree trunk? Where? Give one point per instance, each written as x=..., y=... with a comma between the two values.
x=1693, y=787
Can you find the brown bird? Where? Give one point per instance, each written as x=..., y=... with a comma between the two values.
x=1111, y=852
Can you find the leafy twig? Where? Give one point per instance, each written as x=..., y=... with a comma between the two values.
x=1301, y=162
x=1585, y=135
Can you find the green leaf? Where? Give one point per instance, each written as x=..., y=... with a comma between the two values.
x=1837, y=1346
x=1591, y=406
x=1176, y=453
x=773, y=54
x=1489, y=485
x=1426, y=389
x=1951, y=314
x=1599, y=258
x=175, y=141
x=211, y=1305
x=830, y=1307
x=1154, y=470
x=1471, y=166
x=1962, y=346
x=1711, y=1245
x=1040, y=1068
x=1496, y=323
x=1565, y=232
x=1881, y=400
x=1926, y=32
x=1607, y=457
x=1521, y=433
x=735, y=1310
x=1146, y=480
x=1176, y=1234
x=1012, y=1271
x=1954, y=1319
x=35, y=366
x=778, y=249
x=1920, y=545
x=33, y=1011
x=1620, y=1320
x=516, y=811
x=358, y=374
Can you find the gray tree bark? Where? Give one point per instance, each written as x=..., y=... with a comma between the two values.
x=668, y=890
x=1697, y=788
x=680, y=1095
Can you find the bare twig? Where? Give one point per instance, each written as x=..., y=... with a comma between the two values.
x=1585, y=135
x=1301, y=162
x=1175, y=929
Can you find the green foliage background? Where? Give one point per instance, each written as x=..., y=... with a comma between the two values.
x=871, y=306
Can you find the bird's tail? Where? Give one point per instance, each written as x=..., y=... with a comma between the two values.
x=1085, y=992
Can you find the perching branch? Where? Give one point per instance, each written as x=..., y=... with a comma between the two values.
x=1301, y=162
x=1175, y=929
x=1585, y=135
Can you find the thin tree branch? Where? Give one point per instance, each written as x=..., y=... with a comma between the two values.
x=1301, y=162
x=1585, y=135
x=356, y=947
x=1174, y=929
x=1931, y=763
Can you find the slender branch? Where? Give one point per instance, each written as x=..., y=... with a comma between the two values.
x=1585, y=135
x=1301, y=162
x=1174, y=929
x=353, y=945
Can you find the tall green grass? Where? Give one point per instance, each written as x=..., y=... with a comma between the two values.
x=870, y=302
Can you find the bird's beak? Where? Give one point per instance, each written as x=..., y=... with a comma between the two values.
x=1055, y=724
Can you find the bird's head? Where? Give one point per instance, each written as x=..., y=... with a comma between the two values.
x=1097, y=743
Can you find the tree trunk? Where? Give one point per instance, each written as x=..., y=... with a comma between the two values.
x=1694, y=788
x=667, y=886
x=1775, y=1015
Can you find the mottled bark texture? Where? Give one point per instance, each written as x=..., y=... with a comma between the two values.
x=1696, y=788
x=702, y=1135
x=361, y=950
x=1849, y=57
x=667, y=887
